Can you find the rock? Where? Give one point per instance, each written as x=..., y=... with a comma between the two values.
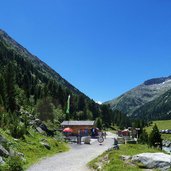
x=121, y=140
x=126, y=158
x=40, y=130
x=166, y=143
x=46, y=145
x=38, y=121
x=3, y=151
x=160, y=161
x=87, y=140
x=11, y=152
x=2, y=140
x=1, y=161
x=20, y=154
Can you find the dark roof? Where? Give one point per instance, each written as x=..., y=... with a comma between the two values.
x=75, y=123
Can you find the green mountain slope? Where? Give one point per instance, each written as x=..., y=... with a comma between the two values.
x=28, y=84
x=158, y=109
x=132, y=100
x=38, y=65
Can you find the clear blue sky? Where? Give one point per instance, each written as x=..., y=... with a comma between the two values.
x=103, y=48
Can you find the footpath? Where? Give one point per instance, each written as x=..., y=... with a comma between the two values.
x=75, y=159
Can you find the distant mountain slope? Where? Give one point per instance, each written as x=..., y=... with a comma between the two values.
x=132, y=100
x=159, y=108
x=37, y=63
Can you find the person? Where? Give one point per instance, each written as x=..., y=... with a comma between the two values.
x=104, y=135
x=116, y=147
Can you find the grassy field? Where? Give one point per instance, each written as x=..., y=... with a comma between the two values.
x=162, y=125
x=31, y=147
x=114, y=156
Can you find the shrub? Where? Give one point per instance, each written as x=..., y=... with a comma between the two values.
x=13, y=164
x=18, y=131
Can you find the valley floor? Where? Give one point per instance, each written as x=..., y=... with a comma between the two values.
x=76, y=159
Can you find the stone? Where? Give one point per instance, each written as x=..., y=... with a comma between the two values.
x=3, y=151
x=160, y=161
x=2, y=140
x=40, y=130
x=46, y=145
x=11, y=152
x=121, y=140
x=87, y=140
x=1, y=161
x=166, y=143
x=126, y=157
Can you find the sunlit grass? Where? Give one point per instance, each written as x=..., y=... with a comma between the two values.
x=162, y=125
x=31, y=147
x=114, y=156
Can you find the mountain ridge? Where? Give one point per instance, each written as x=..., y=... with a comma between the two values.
x=4, y=37
x=137, y=97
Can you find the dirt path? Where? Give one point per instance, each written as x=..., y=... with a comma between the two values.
x=76, y=159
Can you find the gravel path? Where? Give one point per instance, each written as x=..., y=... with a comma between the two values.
x=75, y=159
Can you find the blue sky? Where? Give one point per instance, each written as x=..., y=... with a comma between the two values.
x=104, y=48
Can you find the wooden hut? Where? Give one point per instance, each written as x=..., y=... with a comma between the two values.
x=83, y=128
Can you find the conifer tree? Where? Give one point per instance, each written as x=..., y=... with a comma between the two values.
x=155, y=139
x=10, y=88
x=2, y=90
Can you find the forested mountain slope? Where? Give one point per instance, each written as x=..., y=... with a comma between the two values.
x=136, y=98
x=30, y=85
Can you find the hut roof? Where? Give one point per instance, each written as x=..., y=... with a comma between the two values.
x=76, y=123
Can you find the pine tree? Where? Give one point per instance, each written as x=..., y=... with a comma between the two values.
x=155, y=139
x=10, y=87
x=2, y=90
x=143, y=138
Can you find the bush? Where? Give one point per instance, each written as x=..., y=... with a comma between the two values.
x=18, y=131
x=13, y=164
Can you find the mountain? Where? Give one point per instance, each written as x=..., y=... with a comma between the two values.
x=133, y=101
x=28, y=85
x=39, y=65
x=158, y=109
x=26, y=81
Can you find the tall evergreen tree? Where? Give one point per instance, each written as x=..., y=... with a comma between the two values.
x=2, y=90
x=10, y=87
x=155, y=139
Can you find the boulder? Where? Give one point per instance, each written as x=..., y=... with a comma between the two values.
x=2, y=140
x=1, y=161
x=40, y=130
x=166, y=143
x=46, y=145
x=3, y=151
x=159, y=161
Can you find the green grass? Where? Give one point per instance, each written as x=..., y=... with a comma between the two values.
x=162, y=125
x=116, y=164
x=32, y=149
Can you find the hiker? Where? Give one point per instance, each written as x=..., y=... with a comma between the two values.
x=104, y=135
